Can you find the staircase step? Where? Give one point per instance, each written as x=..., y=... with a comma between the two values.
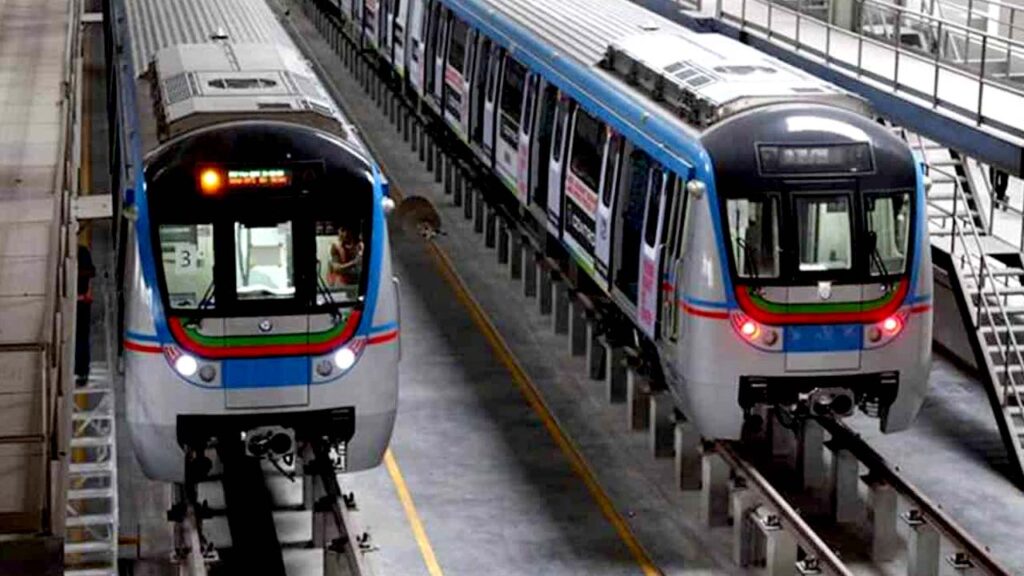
x=91, y=441
x=91, y=468
x=1003, y=291
x=91, y=493
x=102, y=414
x=90, y=520
x=112, y=571
x=88, y=546
x=92, y=389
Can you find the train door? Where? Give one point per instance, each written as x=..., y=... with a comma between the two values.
x=558, y=139
x=525, y=140
x=651, y=251
x=629, y=219
x=394, y=34
x=491, y=100
x=456, y=84
x=478, y=89
x=510, y=110
x=540, y=152
x=609, y=179
x=672, y=259
x=416, y=43
x=582, y=181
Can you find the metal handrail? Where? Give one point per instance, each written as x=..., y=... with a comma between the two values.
x=980, y=76
x=1011, y=344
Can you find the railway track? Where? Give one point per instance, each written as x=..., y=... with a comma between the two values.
x=276, y=518
x=800, y=496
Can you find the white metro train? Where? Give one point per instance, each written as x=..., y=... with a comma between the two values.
x=258, y=301
x=765, y=236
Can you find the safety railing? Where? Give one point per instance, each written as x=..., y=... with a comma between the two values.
x=971, y=89
x=1007, y=18
x=989, y=307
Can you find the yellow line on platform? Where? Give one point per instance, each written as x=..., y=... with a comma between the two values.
x=533, y=397
x=413, y=516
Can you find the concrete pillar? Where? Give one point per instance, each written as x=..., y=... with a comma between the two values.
x=559, y=306
x=529, y=272
x=811, y=455
x=457, y=185
x=922, y=546
x=686, y=440
x=884, y=539
x=615, y=378
x=447, y=169
x=515, y=256
x=661, y=424
x=490, y=227
x=784, y=447
x=543, y=289
x=742, y=502
x=478, y=214
x=638, y=393
x=440, y=161
x=430, y=153
x=780, y=547
x=595, y=352
x=503, y=233
x=714, y=491
x=845, y=478
x=577, y=328
x=468, y=200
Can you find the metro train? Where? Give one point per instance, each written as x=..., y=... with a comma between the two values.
x=764, y=235
x=258, y=305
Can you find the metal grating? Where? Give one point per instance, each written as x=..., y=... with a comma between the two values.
x=177, y=89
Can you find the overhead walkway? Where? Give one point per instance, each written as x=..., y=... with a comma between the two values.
x=950, y=82
x=37, y=277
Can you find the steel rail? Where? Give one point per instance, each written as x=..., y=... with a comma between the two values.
x=805, y=535
x=935, y=516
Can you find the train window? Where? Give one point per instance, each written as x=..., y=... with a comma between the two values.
x=888, y=220
x=653, y=203
x=457, y=45
x=187, y=258
x=754, y=228
x=512, y=89
x=492, y=77
x=823, y=229
x=263, y=267
x=556, y=141
x=612, y=170
x=339, y=257
x=587, y=147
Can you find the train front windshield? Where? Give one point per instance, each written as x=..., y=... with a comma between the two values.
x=290, y=261
x=819, y=235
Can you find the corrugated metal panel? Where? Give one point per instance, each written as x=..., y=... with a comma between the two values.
x=157, y=24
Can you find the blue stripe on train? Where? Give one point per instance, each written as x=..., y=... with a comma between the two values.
x=823, y=338
x=265, y=372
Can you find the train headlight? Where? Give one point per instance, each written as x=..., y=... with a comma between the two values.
x=186, y=365
x=344, y=359
x=892, y=325
x=750, y=329
x=880, y=333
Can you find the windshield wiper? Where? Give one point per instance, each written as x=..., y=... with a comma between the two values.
x=207, y=298
x=876, y=257
x=322, y=287
x=748, y=254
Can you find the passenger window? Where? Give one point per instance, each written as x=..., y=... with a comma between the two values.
x=457, y=45
x=492, y=78
x=587, y=144
x=653, y=200
x=611, y=171
x=512, y=89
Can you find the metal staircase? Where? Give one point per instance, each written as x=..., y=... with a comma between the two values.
x=987, y=277
x=90, y=546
